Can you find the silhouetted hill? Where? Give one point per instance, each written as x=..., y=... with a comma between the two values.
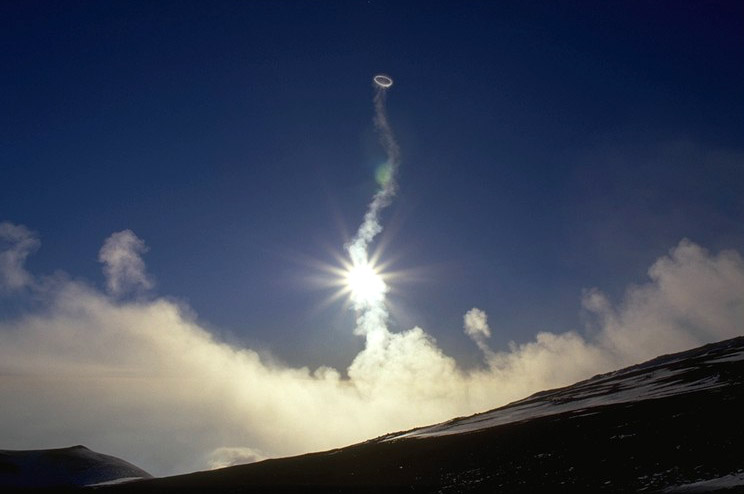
x=64, y=467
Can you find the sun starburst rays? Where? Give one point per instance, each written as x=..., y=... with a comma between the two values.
x=365, y=285
x=360, y=283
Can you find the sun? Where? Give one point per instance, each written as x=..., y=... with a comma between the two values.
x=362, y=280
x=365, y=284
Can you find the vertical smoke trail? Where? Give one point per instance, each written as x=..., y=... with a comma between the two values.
x=371, y=226
x=372, y=312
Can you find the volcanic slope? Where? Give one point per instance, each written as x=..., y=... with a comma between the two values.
x=673, y=424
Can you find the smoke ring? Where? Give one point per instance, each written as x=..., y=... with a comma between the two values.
x=383, y=80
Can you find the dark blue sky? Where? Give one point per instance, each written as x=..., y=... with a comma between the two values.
x=547, y=147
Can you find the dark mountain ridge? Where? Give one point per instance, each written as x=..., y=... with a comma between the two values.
x=76, y=466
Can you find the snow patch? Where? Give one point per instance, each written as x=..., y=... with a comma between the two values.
x=610, y=389
x=725, y=482
x=122, y=480
x=734, y=357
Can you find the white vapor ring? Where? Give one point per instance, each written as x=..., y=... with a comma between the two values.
x=383, y=81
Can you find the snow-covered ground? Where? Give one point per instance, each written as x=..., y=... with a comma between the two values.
x=659, y=378
x=725, y=482
x=122, y=480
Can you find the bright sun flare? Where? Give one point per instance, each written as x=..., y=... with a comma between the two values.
x=365, y=284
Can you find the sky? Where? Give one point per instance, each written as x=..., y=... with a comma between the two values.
x=180, y=179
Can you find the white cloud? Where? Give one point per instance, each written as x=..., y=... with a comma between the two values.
x=476, y=323
x=123, y=264
x=227, y=457
x=476, y=327
x=16, y=243
x=142, y=380
x=693, y=297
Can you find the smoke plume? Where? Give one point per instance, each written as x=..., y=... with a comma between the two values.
x=371, y=311
x=370, y=227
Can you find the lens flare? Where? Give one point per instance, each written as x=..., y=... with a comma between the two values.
x=365, y=285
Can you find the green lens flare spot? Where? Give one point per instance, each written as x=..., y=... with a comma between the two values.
x=383, y=174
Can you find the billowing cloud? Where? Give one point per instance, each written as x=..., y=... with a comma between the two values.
x=16, y=243
x=476, y=323
x=141, y=379
x=476, y=327
x=693, y=297
x=123, y=264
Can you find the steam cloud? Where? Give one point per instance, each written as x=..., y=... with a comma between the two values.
x=16, y=243
x=123, y=264
x=476, y=326
x=141, y=379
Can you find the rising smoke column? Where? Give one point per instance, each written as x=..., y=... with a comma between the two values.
x=372, y=312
